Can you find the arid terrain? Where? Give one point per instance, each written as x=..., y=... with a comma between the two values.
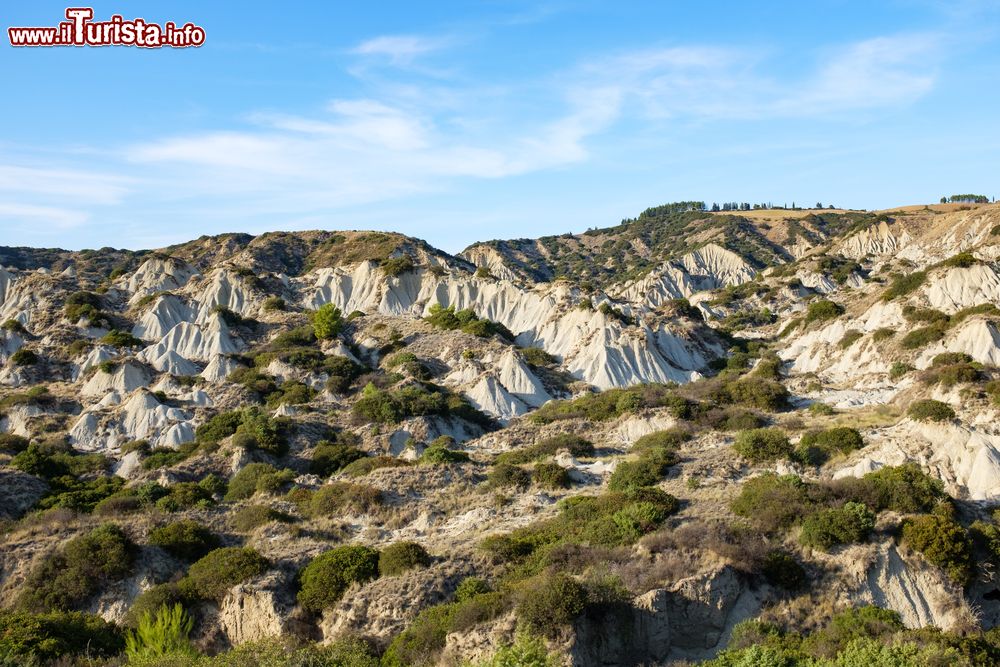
x=764, y=437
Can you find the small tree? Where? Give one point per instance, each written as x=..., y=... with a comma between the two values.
x=164, y=634
x=327, y=322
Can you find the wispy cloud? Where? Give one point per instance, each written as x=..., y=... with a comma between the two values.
x=400, y=49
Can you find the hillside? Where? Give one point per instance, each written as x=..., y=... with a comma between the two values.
x=745, y=438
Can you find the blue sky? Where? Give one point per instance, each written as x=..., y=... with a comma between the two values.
x=461, y=121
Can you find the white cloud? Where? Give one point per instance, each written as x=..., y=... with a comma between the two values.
x=26, y=216
x=399, y=49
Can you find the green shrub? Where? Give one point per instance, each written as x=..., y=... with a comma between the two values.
x=816, y=447
x=551, y=476
x=184, y=495
x=121, y=339
x=24, y=357
x=467, y=321
x=330, y=457
x=212, y=576
x=773, y=502
x=905, y=489
x=504, y=475
x=400, y=557
x=471, y=587
x=55, y=637
x=757, y=393
x=396, y=266
x=14, y=327
x=327, y=322
x=67, y=579
x=943, y=542
x=219, y=427
x=365, y=465
x=578, y=447
x=782, y=570
x=249, y=517
x=822, y=310
x=762, y=445
x=551, y=604
x=342, y=372
x=883, y=334
x=10, y=442
x=850, y=337
x=274, y=303
x=162, y=457
x=924, y=336
x=927, y=409
x=185, y=539
x=903, y=285
x=962, y=260
x=536, y=357
x=336, y=497
x=646, y=471
x=899, y=369
x=326, y=577
x=164, y=633
x=257, y=478
x=440, y=452
x=840, y=525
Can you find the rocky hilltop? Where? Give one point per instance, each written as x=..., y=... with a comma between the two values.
x=752, y=437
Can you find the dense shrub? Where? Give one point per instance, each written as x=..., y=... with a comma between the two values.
x=121, y=339
x=9, y=442
x=67, y=579
x=249, y=517
x=757, y=393
x=609, y=520
x=274, y=303
x=551, y=476
x=536, y=357
x=337, y=497
x=899, y=369
x=646, y=471
x=400, y=557
x=503, y=475
x=24, y=357
x=850, y=337
x=903, y=285
x=440, y=451
x=578, y=448
x=904, y=489
x=467, y=321
x=393, y=406
x=32, y=639
x=328, y=575
x=840, y=525
x=781, y=569
x=257, y=478
x=327, y=322
x=330, y=457
x=185, y=539
x=396, y=266
x=342, y=373
x=822, y=310
x=611, y=404
x=551, y=604
x=214, y=574
x=943, y=542
x=762, y=445
x=184, y=495
x=923, y=336
x=773, y=502
x=927, y=409
x=817, y=446
x=365, y=465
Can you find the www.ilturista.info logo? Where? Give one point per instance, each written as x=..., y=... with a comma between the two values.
x=82, y=30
